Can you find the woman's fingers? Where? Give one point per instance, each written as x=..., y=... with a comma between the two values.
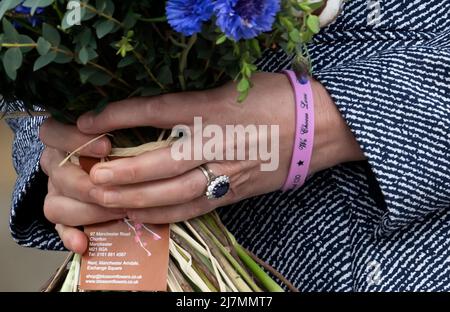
x=177, y=213
x=68, y=211
x=150, y=166
x=69, y=180
x=73, y=239
x=163, y=111
x=170, y=191
x=68, y=138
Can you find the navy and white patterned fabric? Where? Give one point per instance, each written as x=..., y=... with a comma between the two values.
x=378, y=225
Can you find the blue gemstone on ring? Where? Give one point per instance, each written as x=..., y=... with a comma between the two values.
x=218, y=188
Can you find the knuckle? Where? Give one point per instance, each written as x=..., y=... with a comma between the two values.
x=130, y=173
x=194, y=188
x=138, y=200
x=43, y=131
x=98, y=197
x=177, y=168
x=108, y=116
x=81, y=188
x=50, y=209
x=59, y=176
x=154, y=107
x=195, y=211
x=45, y=160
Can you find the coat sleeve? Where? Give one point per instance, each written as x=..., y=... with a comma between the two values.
x=393, y=89
x=28, y=224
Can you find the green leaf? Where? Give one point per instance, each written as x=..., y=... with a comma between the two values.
x=6, y=5
x=11, y=34
x=63, y=58
x=72, y=16
x=243, y=96
x=305, y=7
x=34, y=4
x=94, y=76
x=51, y=35
x=295, y=36
x=313, y=23
x=43, y=46
x=23, y=39
x=126, y=61
x=221, y=39
x=165, y=75
x=307, y=36
x=85, y=37
x=86, y=14
x=313, y=5
x=130, y=20
x=12, y=60
x=244, y=85
x=100, y=5
x=83, y=55
x=103, y=28
x=105, y=6
x=100, y=79
x=44, y=60
x=286, y=23
x=86, y=73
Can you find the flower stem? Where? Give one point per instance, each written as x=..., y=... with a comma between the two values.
x=94, y=10
x=68, y=53
x=229, y=257
x=72, y=277
x=141, y=60
x=183, y=61
x=265, y=279
x=153, y=19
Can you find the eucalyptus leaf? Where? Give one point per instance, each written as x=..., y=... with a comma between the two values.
x=12, y=61
x=51, y=34
x=103, y=28
x=43, y=46
x=83, y=55
x=35, y=4
x=6, y=5
x=44, y=60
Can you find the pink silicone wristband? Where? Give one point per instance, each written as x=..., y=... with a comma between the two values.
x=304, y=132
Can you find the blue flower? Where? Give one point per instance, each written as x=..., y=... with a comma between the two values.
x=246, y=19
x=187, y=16
x=34, y=20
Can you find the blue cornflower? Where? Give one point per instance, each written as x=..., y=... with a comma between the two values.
x=187, y=16
x=246, y=19
x=34, y=20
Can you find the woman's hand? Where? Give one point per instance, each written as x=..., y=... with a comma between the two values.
x=158, y=189
x=67, y=200
x=155, y=188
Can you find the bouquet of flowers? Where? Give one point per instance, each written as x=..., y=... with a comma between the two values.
x=93, y=52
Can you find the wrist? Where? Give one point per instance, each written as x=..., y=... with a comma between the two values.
x=334, y=143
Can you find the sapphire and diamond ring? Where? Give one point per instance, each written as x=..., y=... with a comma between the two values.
x=217, y=186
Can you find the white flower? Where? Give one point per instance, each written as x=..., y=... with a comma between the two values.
x=330, y=12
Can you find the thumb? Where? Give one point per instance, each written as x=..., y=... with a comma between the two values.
x=73, y=239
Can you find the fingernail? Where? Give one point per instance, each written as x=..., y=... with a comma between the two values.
x=111, y=197
x=99, y=148
x=102, y=176
x=86, y=121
